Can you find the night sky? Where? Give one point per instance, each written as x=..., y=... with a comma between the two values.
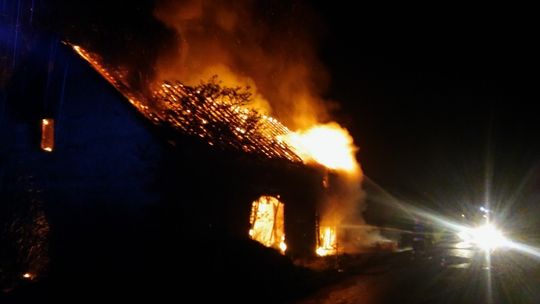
x=438, y=104
x=440, y=100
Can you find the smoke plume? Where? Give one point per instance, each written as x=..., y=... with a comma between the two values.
x=266, y=45
x=343, y=208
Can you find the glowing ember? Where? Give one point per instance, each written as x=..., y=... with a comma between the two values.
x=28, y=276
x=327, y=241
x=47, y=134
x=329, y=145
x=267, y=223
x=221, y=122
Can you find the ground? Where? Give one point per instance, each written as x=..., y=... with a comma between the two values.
x=405, y=278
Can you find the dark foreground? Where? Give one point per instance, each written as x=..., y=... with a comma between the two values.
x=440, y=276
x=444, y=276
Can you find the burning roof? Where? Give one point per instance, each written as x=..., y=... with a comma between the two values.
x=221, y=117
x=215, y=114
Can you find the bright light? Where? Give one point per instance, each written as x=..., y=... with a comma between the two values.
x=327, y=241
x=329, y=145
x=283, y=246
x=321, y=251
x=486, y=237
x=465, y=235
x=267, y=223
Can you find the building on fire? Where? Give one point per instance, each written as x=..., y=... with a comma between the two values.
x=100, y=180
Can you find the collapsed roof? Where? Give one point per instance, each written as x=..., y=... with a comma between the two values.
x=216, y=114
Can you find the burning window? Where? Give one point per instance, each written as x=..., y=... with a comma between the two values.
x=47, y=134
x=327, y=241
x=267, y=222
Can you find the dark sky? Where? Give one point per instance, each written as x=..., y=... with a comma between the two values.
x=437, y=102
x=439, y=99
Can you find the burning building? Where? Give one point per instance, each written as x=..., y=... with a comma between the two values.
x=219, y=117
x=177, y=180
x=179, y=189
x=222, y=117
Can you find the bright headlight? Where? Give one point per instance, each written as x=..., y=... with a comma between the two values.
x=486, y=237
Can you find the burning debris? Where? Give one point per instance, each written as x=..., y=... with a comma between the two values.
x=209, y=111
x=222, y=121
x=326, y=241
x=220, y=116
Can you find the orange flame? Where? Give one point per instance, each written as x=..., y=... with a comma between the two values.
x=327, y=241
x=267, y=223
x=327, y=144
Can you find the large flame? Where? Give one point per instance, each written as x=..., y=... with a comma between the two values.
x=267, y=223
x=327, y=242
x=327, y=144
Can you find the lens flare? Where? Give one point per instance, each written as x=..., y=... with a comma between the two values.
x=487, y=237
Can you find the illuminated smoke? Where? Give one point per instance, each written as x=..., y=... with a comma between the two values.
x=268, y=46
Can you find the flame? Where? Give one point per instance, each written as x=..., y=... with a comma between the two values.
x=283, y=245
x=233, y=80
x=327, y=241
x=233, y=40
x=267, y=223
x=180, y=106
x=327, y=144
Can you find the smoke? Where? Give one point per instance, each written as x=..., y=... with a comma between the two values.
x=267, y=45
x=343, y=208
x=125, y=33
x=270, y=47
x=344, y=192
